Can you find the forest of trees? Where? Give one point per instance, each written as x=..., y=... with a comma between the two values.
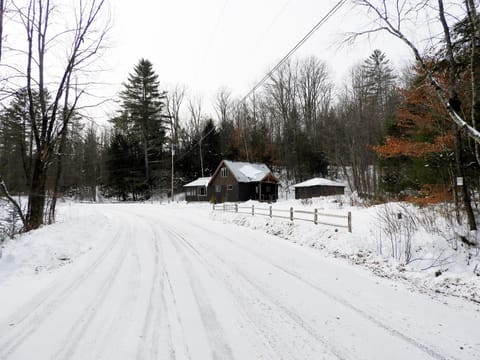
x=384, y=130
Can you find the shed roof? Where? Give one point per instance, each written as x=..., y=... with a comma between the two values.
x=201, y=181
x=319, y=182
x=247, y=172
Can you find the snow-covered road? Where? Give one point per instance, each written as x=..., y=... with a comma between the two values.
x=167, y=282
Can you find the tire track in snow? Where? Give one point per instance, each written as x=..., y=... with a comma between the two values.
x=433, y=353
x=155, y=312
x=177, y=316
x=80, y=327
x=220, y=348
x=394, y=332
x=112, y=329
x=366, y=315
x=29, y=320
x=152, y=315
x=159, y=315
x=215, y=275
x=335, y=351
x=268, y=335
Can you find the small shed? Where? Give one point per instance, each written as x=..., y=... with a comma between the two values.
x=197, y=190
x=318, y=187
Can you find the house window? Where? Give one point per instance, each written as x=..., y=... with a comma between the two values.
x=230, y=187
x=218, y=188
x=223, y=172
x=203, y=191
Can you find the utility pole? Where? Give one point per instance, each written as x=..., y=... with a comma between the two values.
x=172, y=149
x=173, y=155
x=201, y=155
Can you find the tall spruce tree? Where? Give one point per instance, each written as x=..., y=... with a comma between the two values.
x=143, y=104
x=379, y=90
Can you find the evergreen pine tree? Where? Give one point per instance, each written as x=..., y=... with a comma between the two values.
x=142, y=106
x=16, y=144
x=211, y=147
x=380, y=82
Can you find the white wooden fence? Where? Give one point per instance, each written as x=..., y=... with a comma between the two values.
x=291, y=214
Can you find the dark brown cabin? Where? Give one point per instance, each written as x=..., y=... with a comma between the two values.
x=318, y=187
x=242, y=181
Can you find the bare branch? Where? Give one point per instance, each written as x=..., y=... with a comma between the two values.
x=351, y=37
x=14, y=203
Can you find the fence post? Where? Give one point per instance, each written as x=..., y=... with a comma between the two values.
x=291, y=214
x=213, y=207
x=315, y=216
x=270, y=210
x=349, y=222
x=253, y=210
x=236, y=208
x=223, y=206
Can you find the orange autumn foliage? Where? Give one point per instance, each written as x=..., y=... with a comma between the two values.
x=431, y=194
x=400, y=146
x=420, y=117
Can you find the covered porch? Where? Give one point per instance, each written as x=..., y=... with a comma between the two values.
x=266, y=190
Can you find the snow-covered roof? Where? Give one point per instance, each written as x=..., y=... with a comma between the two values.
x=319, y=182
x=247, y=172
x=202, y=181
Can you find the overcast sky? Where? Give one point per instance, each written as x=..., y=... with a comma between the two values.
x=210, y=44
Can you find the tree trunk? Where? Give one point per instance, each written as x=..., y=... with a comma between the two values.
x=464, y=189
x=36, y=196
x=58, y=174
x=455, y=105
x=201, y=156
x=472, y=15
x=147, y=166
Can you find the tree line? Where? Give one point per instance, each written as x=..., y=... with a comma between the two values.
x=385, y=131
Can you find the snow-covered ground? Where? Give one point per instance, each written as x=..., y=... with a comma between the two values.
x=176, y=281
x=439, y=262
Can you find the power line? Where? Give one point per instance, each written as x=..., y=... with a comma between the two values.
x=329, y=14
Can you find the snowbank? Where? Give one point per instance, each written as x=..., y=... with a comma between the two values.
x=76, y=231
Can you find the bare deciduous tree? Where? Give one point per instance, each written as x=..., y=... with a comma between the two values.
x=222, y=105
x=57, y=94
x=174, y=100
x=315, y=91
x=196, y=111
